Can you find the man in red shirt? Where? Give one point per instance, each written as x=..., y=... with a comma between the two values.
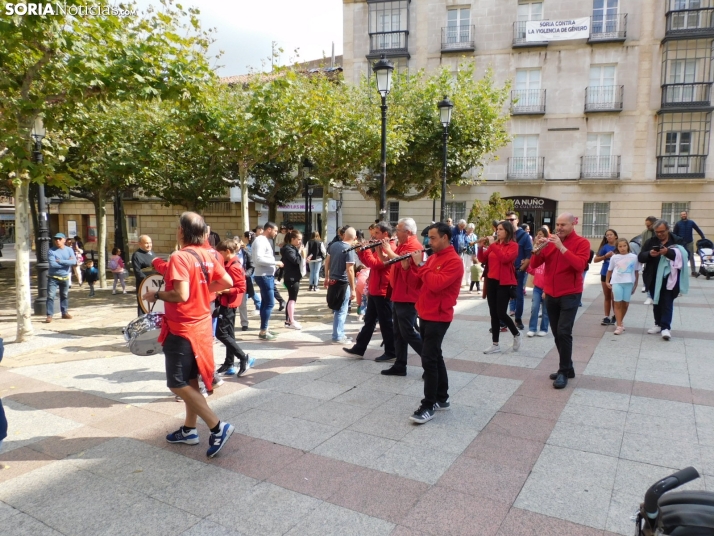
x=379, y=308
x=404, y=296
x=565, y=255
x=440, y=281
x=191, y=276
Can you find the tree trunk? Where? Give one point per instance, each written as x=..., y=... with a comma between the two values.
x=33, y=212
x=325, y=207
x=273, y=212
x=100, y=211
x=23, y=295
x=243, y=174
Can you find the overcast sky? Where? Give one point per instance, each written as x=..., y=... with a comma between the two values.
x=246, y=29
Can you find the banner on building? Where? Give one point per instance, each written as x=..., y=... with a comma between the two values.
x=557, y=30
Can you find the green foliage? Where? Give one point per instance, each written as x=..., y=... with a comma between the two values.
x=483, y=214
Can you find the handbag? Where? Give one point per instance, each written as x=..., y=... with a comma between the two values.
x=336, y=294
x=303, y=266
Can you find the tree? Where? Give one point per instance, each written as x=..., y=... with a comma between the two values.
x=483, y=214
x=275, y=183
x=52, y=62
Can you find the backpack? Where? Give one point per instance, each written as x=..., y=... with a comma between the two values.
x=113, y=264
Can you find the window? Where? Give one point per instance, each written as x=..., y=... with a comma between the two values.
x=604, y=16
x=458, y=25
x=132, y=229
x=530, y=11
x=528, y=87
x=682, y=144
x=596, y=217
x=598, y=154
x=670, y=211
x=393, y=212
x=686, y=19
x=456, y=211
x=388, y=25
x=525, y=146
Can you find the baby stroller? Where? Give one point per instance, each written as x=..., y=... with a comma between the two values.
x=686, y=513
x=705, y=250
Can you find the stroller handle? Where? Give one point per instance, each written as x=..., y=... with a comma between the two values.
x=666, y=484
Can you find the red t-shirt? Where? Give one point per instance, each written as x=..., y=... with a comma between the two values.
x=183, y=266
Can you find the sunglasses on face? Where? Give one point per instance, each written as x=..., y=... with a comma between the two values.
x=511, y=219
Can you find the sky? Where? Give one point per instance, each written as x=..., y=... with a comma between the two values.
x=247, y=28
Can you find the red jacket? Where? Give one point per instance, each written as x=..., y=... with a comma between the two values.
x=378, y=275
x=234, y=296
x=564, y=271
x=500, y=258
x=402, y=290
x=441, y=282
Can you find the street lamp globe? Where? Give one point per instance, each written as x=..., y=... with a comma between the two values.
x=445, y=108
x=383, y=71
x=306, y=168
x=38, y=129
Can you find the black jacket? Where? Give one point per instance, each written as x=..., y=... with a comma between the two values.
x=291, y=259
x=650, y=263
x=141, y=259
x=314, y=249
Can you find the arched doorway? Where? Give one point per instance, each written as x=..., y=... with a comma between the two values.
x=535, y=211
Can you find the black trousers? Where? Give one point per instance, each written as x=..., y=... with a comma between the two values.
x=404, y=319
x=436, y=380
x=226, y=333
x=379, y=309
x=561, y=313
x=498, y=297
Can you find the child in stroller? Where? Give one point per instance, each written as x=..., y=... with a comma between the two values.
x=705, y=250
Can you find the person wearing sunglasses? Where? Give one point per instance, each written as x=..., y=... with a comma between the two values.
x=525, y=247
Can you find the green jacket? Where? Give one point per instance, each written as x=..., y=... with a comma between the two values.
x=664, y=268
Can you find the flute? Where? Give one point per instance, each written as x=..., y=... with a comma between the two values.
x=370, y=245
x=405, y=257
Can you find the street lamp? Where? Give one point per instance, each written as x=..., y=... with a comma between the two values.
x=306, y=171
x=43, y=240
x=383, y=72
x=445, y=108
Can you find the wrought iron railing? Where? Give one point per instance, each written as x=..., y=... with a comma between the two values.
x=526, y=168
x=690, y=23
x=389, y=42
x=681, y=166
x=519, y=36
x=609, y=27
x=458, y=38
x=603, y=98
x=686, y=95
x=527, y=101
x=599, y=167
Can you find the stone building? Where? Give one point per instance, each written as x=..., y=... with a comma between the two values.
x=612, y=123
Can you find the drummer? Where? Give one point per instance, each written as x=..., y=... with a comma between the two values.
x=141, y=263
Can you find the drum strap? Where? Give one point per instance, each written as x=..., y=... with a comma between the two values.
x=200, y=263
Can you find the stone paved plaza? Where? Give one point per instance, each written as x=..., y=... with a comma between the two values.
x=323, y=444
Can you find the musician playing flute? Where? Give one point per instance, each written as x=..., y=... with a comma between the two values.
x=440, y=280
x=404, y=296
x=379, y=307
x=565, y=255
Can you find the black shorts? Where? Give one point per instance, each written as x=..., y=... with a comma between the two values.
x=603, y=278
x=180, y=361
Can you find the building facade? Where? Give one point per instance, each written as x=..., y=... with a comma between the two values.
x=611, y=123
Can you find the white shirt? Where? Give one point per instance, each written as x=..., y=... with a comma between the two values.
x=623, y=268
x=263, y=256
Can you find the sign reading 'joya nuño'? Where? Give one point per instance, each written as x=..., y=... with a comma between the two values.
x=557, y=30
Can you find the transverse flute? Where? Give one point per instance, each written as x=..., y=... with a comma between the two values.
x=405, y=256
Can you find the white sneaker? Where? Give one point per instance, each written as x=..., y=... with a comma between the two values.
x=493, y=349
x=114, y=291
x=516, y=343
x=666, y=335
x=644, y=289
x=530, y=333
x=542, y=333
x=293, y=325
x=654, y=330
x=648, y=301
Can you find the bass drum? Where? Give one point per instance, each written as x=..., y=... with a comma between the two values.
x=142, y=334
x=152, y=283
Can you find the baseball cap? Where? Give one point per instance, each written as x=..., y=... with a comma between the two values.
x=59, y=235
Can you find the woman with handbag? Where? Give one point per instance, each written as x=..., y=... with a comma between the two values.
x=316, y=253
x=293, y=256
x=500, y=253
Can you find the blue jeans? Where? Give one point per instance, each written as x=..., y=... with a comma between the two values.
x=266, y=284
x=665, y=307
x=520, y=298
x=535, y=308
x=256, y=298
x=315, y=273
x=52, y=286
x=339, y=317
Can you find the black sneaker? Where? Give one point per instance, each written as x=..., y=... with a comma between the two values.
x=422, y=415
x=244, y=328
x=352, y=351
x=394, y=371
x=613, y=321
x=560, y=382
x=519, y=325
x=605, y=321
x=570, y=375
x=384, y=357
x=442, y=406
x=223, y=368
x=282, y=306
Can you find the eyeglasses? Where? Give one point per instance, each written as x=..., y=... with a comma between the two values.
x=511, y=219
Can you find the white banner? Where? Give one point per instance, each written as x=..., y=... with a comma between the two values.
x=557, y=30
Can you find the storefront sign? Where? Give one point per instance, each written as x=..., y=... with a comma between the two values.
x=531, y=203
x=299, y=206
x=557, y=30
x=71, y=228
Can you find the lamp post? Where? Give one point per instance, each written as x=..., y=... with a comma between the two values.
x=445, y=108
x=306, y=170
x=383, y=72
x=43, y=240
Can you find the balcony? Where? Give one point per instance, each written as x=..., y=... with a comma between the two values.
x=599, y=167
x=690, y=23
x=603, y=98
x=681, y=167
x=686, y=97
x=519, y=37
x=526, y=168
x=390, y=44
x=528, y=102
x=458, y=39
x=609, y=29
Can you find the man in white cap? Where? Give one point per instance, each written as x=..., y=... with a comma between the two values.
x=61, y=260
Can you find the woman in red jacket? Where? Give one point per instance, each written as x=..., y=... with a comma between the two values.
x=500, y=253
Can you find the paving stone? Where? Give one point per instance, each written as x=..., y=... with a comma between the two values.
x=600, y=399
x=364, y=397
x=7, y=511
x=411, y=462
x=25, y=525
x=209, y=528
x=289, y=404
x=29, y=425
x=385, y=423
x=666, y=452
x=316, y=476
x=322, y=390
x=663, y=376
x=682, y=428
x=354, y=447
x=472, y=476
x=331, y=519
x=296, y=433
x=591, y=416
x=520, y=522
x=586, y=438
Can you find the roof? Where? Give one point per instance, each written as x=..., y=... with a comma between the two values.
x=308, y=67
